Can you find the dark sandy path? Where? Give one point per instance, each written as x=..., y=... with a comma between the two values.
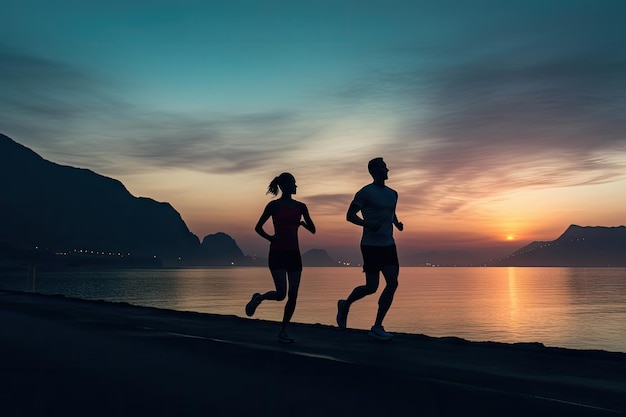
x=67, y=357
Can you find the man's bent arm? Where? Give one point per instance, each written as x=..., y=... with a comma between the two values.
x=352, y=216
x=397, y=223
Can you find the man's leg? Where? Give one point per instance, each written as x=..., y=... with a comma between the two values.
x=390, y=272
x=371, y=285
x=343, y=306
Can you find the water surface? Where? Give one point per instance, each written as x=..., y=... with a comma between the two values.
x=582, y=308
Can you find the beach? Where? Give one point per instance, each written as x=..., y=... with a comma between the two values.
x=64, y=356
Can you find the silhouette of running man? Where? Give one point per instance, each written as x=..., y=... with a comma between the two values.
x=377, y=204
x=284, y=261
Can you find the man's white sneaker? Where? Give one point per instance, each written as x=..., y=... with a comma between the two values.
x=378, y=332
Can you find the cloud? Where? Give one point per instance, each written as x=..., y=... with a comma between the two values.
x=536, y=108
x=552, y=123
x=497, y=97
x=217, y=144
x=330, y=204
x=73, y=115
x=44, y=98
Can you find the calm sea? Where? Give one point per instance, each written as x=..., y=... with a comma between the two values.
x=581, y=308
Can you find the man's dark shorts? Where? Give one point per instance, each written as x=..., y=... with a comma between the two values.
x=285, y=259
x=375, y=257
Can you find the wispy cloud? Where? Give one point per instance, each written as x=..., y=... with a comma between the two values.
x=217, y=144
x=330, y=204
x=531, y=111
x=73, y=114
x=45, y=99
x=498, y=97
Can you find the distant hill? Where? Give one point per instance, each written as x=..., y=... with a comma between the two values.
x=578, y=246
x=221, y=249
x=53, y=208
x=317, y=257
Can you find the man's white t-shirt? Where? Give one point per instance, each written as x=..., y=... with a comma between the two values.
x=378, y=205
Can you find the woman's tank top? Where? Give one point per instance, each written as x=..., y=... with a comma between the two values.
x=286, y=222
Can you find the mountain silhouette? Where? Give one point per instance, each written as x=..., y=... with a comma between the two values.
x=317, y=257
x=578, y=246
x=221, y=249
x=51, y=207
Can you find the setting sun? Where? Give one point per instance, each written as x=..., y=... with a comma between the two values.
x=510, y=237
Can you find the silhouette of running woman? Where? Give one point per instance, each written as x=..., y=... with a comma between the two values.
x=284, y=261
x=377, y=204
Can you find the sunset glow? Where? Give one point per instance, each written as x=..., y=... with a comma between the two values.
x=500, y=125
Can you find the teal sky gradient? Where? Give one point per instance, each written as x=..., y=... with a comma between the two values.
x=497, y=118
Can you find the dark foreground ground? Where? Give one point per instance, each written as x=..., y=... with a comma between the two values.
x=66, y=357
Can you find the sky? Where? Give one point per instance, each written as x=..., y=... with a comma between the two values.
x=502, y=122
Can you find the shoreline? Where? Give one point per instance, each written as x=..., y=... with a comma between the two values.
x=145, y=360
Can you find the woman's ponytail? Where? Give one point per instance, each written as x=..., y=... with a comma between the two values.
x=273, y=187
